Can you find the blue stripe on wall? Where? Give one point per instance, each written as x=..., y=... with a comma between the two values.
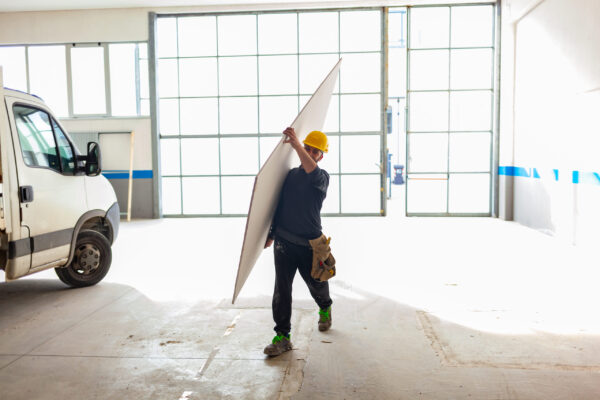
x=589, y=178
x=121, y=174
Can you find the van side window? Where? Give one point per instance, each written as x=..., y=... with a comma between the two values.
x=37, y=139
x=64, y=149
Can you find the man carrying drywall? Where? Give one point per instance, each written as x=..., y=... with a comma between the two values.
x=296, y=222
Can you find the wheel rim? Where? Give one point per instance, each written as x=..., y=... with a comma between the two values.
x=87, y=259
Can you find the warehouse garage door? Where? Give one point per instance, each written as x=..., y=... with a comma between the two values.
x=228, y=84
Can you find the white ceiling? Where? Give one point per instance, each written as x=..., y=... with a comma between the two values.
x=45, y=5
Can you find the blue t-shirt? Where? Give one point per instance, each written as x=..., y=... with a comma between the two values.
x=300, y=202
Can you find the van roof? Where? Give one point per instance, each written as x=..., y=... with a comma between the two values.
x=22, y=92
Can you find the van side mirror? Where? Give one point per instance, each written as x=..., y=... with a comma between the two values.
x=93, y=160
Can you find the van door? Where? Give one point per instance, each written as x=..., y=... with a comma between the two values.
x=51, y=189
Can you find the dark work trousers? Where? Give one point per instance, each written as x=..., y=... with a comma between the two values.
x=288, y=258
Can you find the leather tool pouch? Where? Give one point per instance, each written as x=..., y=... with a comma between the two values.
x=323, y=263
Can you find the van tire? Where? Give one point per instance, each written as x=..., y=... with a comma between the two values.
x=90, y=263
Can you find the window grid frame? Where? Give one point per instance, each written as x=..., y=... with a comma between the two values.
x=339, y=93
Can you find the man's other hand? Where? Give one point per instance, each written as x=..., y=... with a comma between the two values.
x=268, y=243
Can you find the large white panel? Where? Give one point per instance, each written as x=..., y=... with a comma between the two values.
x=267, y=145
x=312, y=69
x=270, y=179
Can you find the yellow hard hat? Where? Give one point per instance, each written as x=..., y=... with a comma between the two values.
x=318, y=140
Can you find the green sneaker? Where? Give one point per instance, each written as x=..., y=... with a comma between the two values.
x=279, y=345
x=325, y=319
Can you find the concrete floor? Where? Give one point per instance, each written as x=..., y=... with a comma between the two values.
x=424, y=308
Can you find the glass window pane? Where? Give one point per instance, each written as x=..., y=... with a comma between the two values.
x=471, y=111
x=277, y=113
x=361, y=73
x=331, y=159
x=238, y=115
x=197, y=36
x=361, y=194
x=470, y=152
x=48, y=76
x=200, y=156
x=469, y=193
x=239, y=156
x=331, y=204
x=169, y=117
x=278, y=74
x=429, y=70
x=267, y=145
x=237, y=34
x=166, y=37
x=429, y=27
x=88, y=80
x=277, y=33
x=171, y=195
x=144, y=80
x=237, y=76
x=360, y=153
x=332, y=120
x=145, y=107
x=67, y=159
x=426, y=193
x=201, y=195
x=199, y=116
x=471, y=69
x=237, y=191
x=122, y=79
x=169, y=157
x=472, y=26
x=367, y=37
x=198, y=77
x=313, y=69
x=428, y=112
x=12, y=59
x=167, y=78
x=361, y=113
x=318, y=32
x=35, y=135
x=427, y=152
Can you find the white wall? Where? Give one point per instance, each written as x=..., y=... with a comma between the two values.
x=550, y=114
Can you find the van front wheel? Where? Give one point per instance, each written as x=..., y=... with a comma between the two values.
x=90, y=263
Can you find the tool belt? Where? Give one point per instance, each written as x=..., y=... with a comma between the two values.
x=323, y=264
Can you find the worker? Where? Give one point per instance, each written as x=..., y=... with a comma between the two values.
x=297, y=220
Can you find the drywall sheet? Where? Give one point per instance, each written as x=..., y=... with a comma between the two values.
x=269, y=180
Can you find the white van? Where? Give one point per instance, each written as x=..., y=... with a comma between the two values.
x=56, y=210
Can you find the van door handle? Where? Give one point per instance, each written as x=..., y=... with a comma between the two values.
x=26, y=193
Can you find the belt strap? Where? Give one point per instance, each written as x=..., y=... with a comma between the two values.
x=290, y=237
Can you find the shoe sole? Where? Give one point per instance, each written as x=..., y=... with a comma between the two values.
x=287, y=348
